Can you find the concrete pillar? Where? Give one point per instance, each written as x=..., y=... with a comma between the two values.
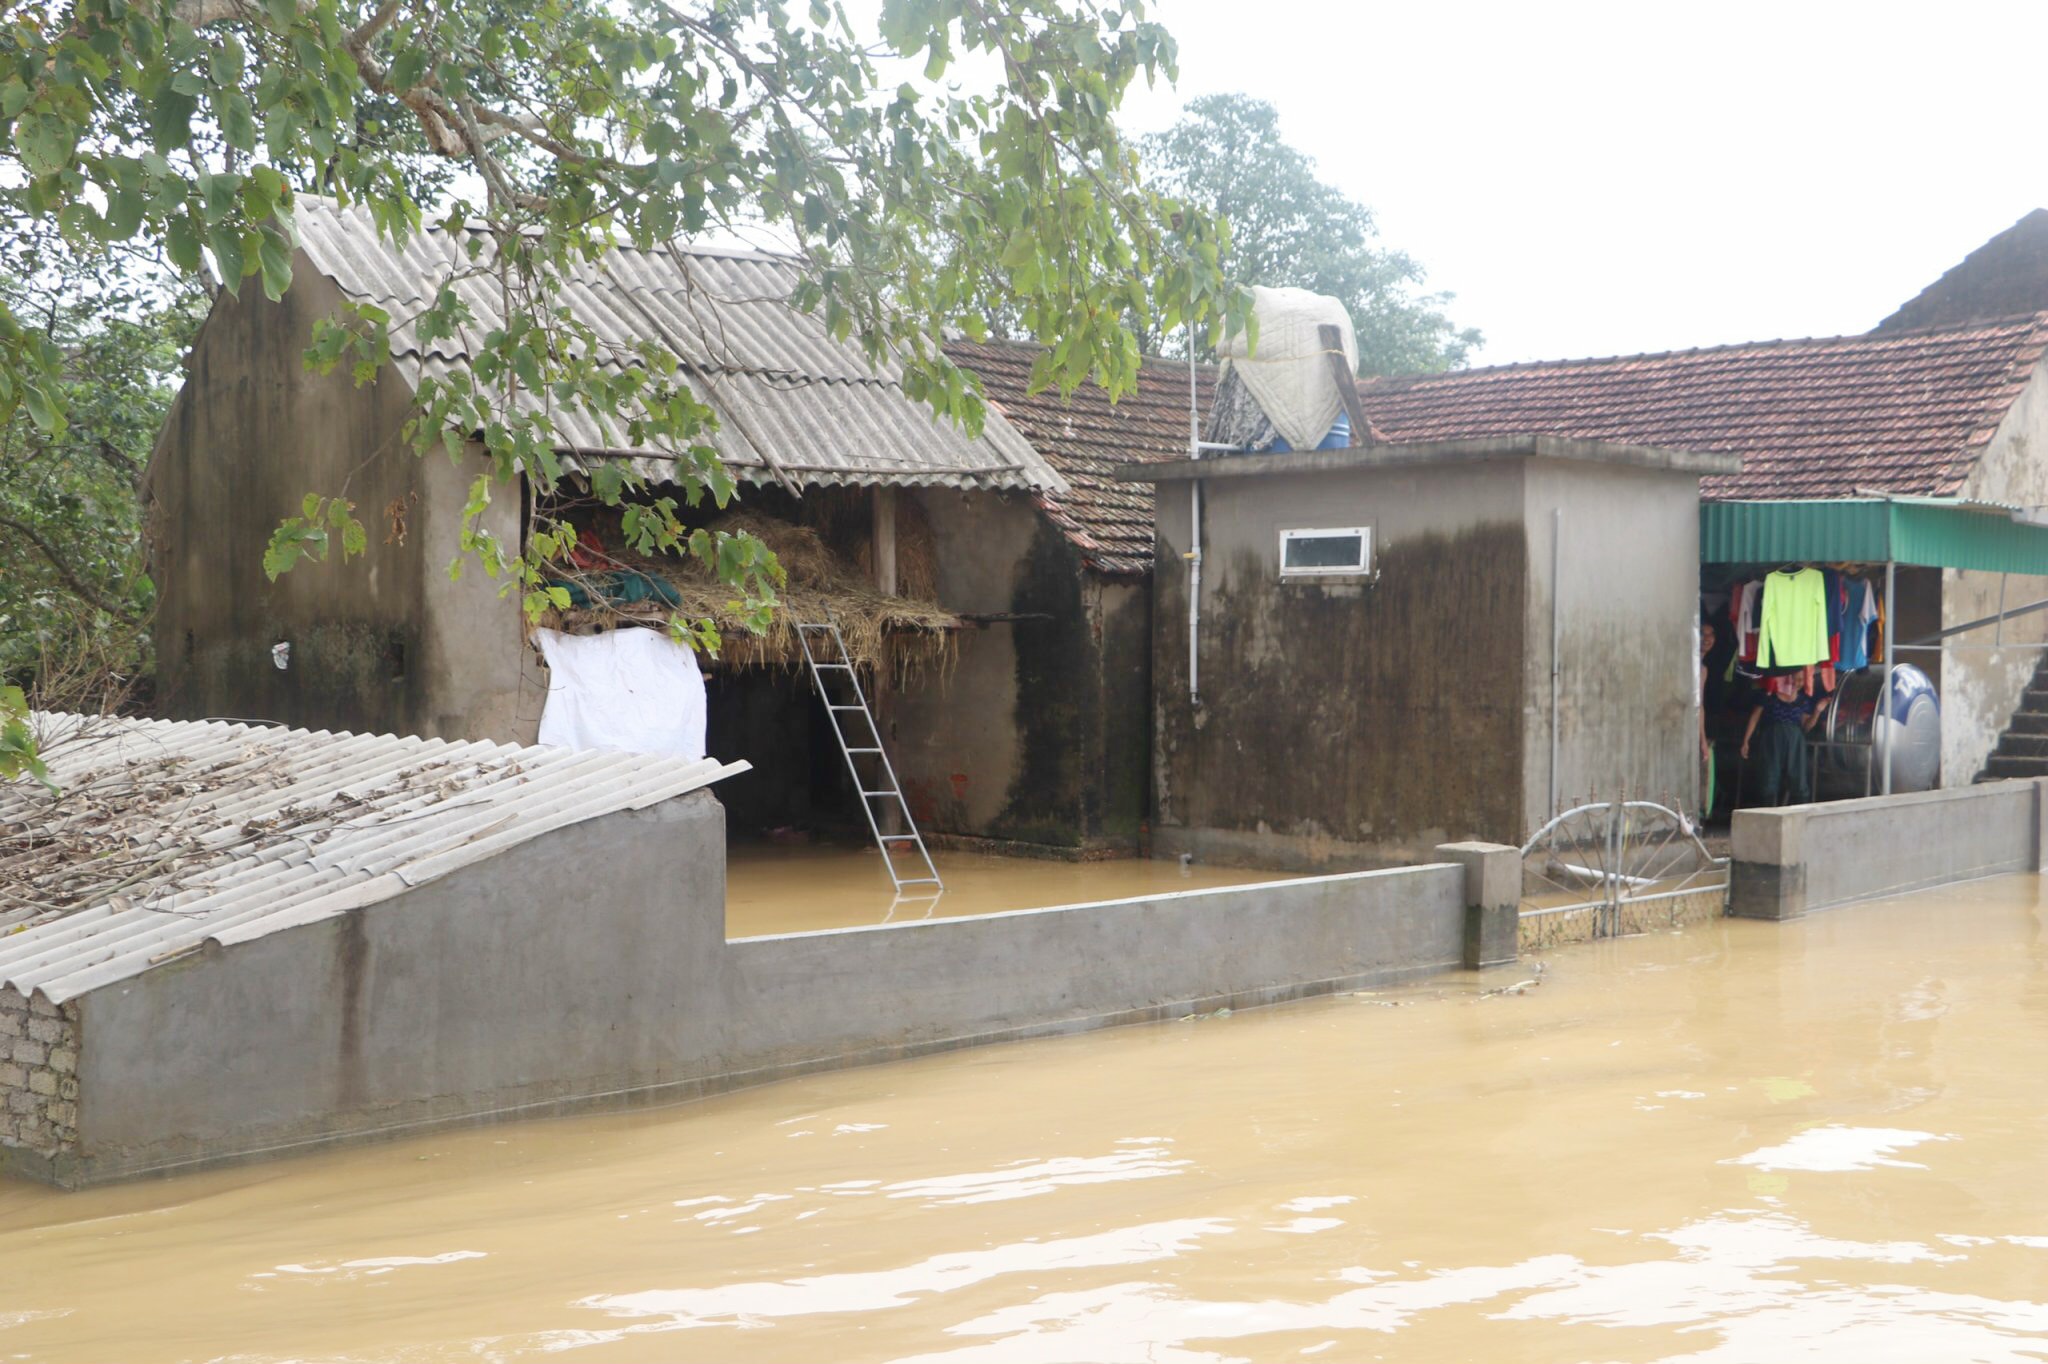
x=2041, y=824
x=1493, y=899
x=1767, y=871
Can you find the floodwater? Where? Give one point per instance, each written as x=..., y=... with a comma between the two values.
x=1740, y=1142
x=795, y=889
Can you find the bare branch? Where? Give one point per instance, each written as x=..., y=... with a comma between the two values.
x=71, y=580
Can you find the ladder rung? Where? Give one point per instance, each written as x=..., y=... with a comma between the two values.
x=920, y=881
x=842, y=667
x=876, y=795
x=830, y=706
x=899, y=838
x=863, y=750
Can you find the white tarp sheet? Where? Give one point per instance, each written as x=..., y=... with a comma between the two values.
x=1290, y=375
x=634, y=690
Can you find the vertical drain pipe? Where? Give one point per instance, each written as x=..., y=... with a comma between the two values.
x=1556, y=635
x=1194, y=554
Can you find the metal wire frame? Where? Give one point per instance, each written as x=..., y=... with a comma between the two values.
x=1605, y=855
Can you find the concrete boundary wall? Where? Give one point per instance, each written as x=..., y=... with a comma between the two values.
x=1804, y=857
x=526, y=985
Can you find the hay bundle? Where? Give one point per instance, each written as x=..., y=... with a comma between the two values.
x=911, y=632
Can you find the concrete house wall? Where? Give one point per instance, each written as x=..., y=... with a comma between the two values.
x=385, y=643
x=1981, y=687
x=1038, y=735
x=1346, y=724
x=1626, y=591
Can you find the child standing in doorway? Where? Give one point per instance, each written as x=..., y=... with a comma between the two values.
x=1784, y=716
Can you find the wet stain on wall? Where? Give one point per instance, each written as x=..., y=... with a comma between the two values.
x=1383, y=715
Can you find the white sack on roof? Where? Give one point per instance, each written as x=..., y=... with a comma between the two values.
x=634, y=690
x=1290, y=375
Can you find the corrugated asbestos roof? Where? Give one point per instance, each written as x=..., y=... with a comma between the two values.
x=1085, y=436
x=168, y=835
x=1902, y=412
x=786, y=393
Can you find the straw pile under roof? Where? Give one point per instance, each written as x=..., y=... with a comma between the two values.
x=912, y=631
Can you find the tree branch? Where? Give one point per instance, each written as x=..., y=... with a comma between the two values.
x=71, y=580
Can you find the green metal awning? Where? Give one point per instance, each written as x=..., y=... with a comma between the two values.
x=1934, y=532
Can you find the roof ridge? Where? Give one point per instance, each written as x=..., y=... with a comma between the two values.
x=1010, y=343
x=1872, y=339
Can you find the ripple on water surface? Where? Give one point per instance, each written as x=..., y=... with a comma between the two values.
x=1743, y=1143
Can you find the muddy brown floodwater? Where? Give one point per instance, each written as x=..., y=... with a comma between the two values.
x=1740, y=1142
x=771, y=889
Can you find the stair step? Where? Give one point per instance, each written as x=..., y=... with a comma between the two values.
x=2017, y=745
x=2010, y=765
x=2030, y=722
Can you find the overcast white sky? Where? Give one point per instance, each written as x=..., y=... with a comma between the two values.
x=1595, y=179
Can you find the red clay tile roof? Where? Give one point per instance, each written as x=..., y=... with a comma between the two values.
x=1907, y=412
x=1086, y=437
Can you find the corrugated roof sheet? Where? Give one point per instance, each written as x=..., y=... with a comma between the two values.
x=785, y=392
x=167, y=835
x=1934, y=532
x=1085, y=437
x=1905, y=412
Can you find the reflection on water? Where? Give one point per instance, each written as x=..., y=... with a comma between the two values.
x=1742, y=1143
x=798, y=889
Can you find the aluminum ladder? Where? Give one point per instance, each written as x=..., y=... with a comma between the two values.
x=814, y=636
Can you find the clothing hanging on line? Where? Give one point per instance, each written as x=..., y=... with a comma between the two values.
x=1794, y=628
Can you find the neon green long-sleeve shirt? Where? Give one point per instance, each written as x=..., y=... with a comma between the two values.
x=1794, y=632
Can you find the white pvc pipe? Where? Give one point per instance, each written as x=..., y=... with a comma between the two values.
x=1556, y=638
x=1194, y=528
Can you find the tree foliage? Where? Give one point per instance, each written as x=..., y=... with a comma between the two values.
x=1288, y=228
x=75, y=597
x=561, y=128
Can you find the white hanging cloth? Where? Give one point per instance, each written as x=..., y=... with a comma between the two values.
x=634, y=690
x=1290, y=376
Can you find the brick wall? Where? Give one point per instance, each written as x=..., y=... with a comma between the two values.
x=38, y=1073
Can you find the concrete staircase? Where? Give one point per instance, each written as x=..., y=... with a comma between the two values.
x=2023, y=749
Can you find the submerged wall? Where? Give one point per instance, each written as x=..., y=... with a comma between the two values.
x=1804, y=857
x=519, y=985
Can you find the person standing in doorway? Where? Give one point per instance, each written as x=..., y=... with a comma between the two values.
x=1783, y=716
x=1706, y=744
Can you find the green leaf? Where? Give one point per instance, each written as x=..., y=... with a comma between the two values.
x=181, y=239
x=237, y=121
x=408, y=67
x=45, y=142
x=1019, y=250
x=227, y=255
x=43, y=408
x=274, y=255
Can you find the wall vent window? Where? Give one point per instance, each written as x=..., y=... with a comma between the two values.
x=1325, y=553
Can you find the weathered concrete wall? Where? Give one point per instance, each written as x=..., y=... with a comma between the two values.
x=1037, y=735
x=1627, y=599
x=519, y=986
x=383, y=643
x=1804, y=857
x=1344, y=724
x=1980, y=687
